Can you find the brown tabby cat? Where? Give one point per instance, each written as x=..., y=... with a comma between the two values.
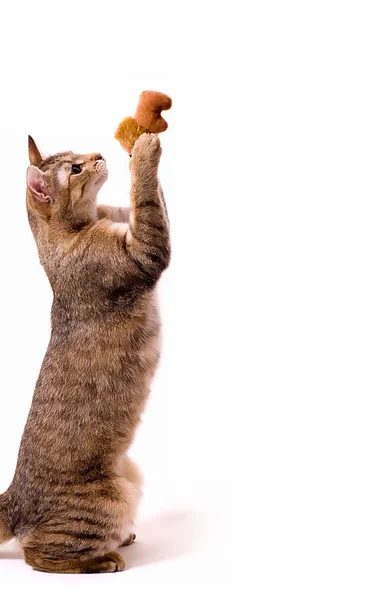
x=75, y=492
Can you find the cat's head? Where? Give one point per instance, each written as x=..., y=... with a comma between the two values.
x=64, y=185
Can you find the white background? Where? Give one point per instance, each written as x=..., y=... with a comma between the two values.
x=257, y=444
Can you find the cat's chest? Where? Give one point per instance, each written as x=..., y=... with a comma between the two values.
x=123, y=349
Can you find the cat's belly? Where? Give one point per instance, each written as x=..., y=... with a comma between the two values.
x=120, y=348
x=93, y=387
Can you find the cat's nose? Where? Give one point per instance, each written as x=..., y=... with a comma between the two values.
x=99, y=157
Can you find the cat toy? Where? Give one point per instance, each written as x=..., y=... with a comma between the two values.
x=147, y=119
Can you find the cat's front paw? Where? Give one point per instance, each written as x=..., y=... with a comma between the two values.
x=147, y=150
x=129, y=540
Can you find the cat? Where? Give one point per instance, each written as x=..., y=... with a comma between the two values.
x=75, y=492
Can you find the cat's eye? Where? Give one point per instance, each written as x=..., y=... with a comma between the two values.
x=76, y=169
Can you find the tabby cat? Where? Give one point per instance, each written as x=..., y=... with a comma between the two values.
x=75, y=492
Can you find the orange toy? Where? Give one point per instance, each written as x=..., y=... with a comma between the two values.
x=147, y=119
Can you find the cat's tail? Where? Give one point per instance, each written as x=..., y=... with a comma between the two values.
x=6, y=533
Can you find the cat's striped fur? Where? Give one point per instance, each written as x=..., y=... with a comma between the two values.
x=75, y=492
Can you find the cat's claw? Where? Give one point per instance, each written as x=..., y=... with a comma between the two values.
x=129, y=540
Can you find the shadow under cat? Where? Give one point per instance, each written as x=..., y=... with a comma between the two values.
x=163, y=537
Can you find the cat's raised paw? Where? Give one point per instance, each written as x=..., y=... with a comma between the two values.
x=147, y=147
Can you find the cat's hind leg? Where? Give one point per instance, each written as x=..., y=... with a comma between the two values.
x=41, y=561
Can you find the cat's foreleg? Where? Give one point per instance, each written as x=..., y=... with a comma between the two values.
x=148, y=238
x=117, y=214
x=137, y=250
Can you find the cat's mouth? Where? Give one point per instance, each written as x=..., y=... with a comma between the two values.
x=101, y=171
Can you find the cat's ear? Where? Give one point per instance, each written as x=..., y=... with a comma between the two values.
x=35, y=156
x=40, y=197
x=37, y=184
